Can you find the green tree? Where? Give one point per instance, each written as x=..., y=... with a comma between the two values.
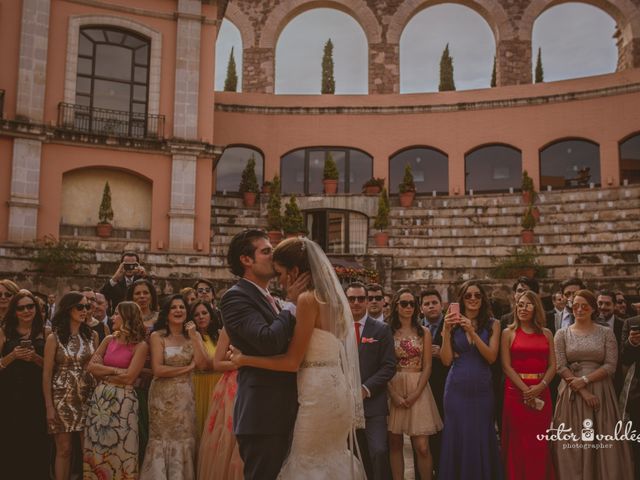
x=539, y=76
x=293, y=221
x=249, y=181
x=446, y=71
x=328, y=82
x=330, y=171
x=382, y=218
x=274, y=216
x=105, y=214
x=407, y=184
x=231, y=82
x=493, y=73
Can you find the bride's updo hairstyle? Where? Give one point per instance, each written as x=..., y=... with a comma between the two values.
x=292, y=252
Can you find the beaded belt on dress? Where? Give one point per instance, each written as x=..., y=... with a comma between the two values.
x=530, y=376
x=319, y=363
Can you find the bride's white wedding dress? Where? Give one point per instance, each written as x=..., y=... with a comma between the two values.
x=325, y=416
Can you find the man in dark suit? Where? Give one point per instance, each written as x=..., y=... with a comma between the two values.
x=377, y=366
x=266, y=401
x=129, y=270
x=607, y=317
x=431, y=306
x=631, y=359
x=569, y=288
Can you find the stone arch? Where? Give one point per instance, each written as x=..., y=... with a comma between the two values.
x=557, y=170
x=77, y=21
x=490, y=10
x=242, y=23
x=287, y=10
x=436, y=163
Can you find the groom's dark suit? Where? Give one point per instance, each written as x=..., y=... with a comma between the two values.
x=267, y=401
x=377, y=367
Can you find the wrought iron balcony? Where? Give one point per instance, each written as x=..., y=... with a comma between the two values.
x=114, y=123
x=1, y=104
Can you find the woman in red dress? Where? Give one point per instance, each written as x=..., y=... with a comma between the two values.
x=529, y=364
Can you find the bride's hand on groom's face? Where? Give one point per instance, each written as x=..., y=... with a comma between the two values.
x=235, y=356
x=299, y=285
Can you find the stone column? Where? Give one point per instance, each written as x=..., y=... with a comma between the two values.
x=384, y=68
x=628, y=48
x=513, y=62
x=32, y=73
x=258, y=70
x=609, y=164
x=182, y=212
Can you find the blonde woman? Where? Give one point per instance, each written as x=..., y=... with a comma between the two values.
x=111, y=449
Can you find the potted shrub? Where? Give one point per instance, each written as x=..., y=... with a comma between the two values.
x=274, y=216
x=266, y=187
x=105, y=214
x=528, y=193
x=330, y=176
x=249, y=183
x=520, y=262
x=528, y=224
x=373, y=186
x=407, y=187
x=293, y=221
x=381, y=222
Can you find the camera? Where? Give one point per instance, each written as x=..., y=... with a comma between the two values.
x=131, y=266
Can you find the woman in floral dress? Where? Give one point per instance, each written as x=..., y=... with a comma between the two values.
x=111, y=433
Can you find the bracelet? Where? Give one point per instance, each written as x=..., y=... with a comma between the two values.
x=544, y=382
x=585, y=379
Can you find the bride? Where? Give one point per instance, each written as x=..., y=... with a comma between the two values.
x=323, y=351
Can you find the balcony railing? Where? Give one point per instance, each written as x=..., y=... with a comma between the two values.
x=114, y=123
x=1, y=104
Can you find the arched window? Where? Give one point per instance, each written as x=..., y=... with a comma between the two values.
x=231, y=164
x=301, y=170
x=630, y=159
x=338, y=231
x=570, y=164
x=493, y=168
x=112, y=81
x=430, y=170
x=228, y=38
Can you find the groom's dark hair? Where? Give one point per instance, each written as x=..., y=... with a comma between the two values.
x=242, y=244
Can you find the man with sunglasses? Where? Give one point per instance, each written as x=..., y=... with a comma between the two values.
x=377, y=366
x=129, y=270
x=569, y=288
x=621, y=305
x=375, y=297
x=205, y=292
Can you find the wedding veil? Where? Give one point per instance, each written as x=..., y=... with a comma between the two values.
x=329, y=291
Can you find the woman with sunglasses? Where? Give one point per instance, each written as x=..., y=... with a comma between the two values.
x=65, y=382
x=413, y=410
x=7, y=290
x=587, y=355
x=529, y=364
x=111, y=448
x=22, y=410
x=470, y=343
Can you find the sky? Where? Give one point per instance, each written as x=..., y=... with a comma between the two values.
x=576, y=41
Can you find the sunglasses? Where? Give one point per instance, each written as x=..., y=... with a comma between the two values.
x=376, y=298
x=581, y=306
x=525, y=306
x=407, y=303
x=204, y=290
x=359, y=299
x=6, y=294
x=469, y=296
x=82, y=306
x=621, y=301
x=28, y=306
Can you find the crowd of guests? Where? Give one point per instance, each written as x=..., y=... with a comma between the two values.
x=110, y=384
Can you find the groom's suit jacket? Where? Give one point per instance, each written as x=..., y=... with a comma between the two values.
x=377, y=365
x=266, y=401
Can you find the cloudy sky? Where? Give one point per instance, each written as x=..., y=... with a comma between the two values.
x=576, y=41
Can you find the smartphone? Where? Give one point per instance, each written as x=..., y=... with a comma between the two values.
x=25, y=343
x=454, y=308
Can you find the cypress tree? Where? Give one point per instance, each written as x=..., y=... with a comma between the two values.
x=446, y=71
x=328, y=82
x=493, y=73
x=539, y=77
x=231, y=82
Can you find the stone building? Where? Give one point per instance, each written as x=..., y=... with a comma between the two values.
x=123, y=90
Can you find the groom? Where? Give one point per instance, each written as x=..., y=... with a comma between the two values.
x=267, y=401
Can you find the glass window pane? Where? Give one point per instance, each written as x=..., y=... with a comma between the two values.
x=83, y=100
x=316, y=170
x=139, y=107
x=292, y=172
x=114, y=36
x=336, y=233
x=112, y=95
x=83, y=85
x=339, y=156
x=630, y=160
x=430, y=170
x=570, y=164
x=358, y=228
x=84, y=66
x=139, y=93
x=140, y=75
x=113, y=62
x=493, y=168
x=95, y=34
x=133, y=42
x=85, y=46
x=142, y=55
x=360, y=170
x=229, y=169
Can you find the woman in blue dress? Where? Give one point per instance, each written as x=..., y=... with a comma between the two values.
x=470, y=344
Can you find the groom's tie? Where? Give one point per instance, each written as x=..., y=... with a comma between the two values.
x=273, y=303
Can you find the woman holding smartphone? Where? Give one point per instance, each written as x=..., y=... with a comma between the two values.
x=529, y=364
x=22, y=411
x=470, y=342
x=65, y=382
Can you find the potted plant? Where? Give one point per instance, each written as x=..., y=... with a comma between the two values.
x=381, y=222
x=105, y=214
x=274, y=216
x=330, y=176
x=528, y=224
x=528, y=193
x=249, y=183
x=293, y=221
x=521, y=262
x=373, y=186
x=266, y=187
x=407, y=187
